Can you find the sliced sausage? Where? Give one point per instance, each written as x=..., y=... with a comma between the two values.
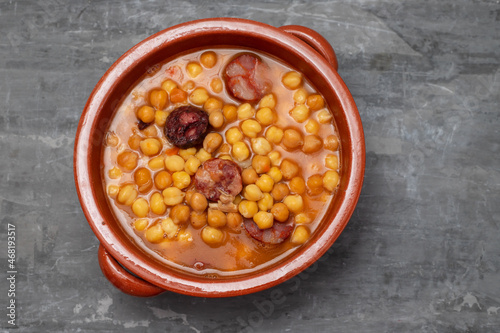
x=186, y=126
x=274, y=235
x=218, y=176
x=247, y=78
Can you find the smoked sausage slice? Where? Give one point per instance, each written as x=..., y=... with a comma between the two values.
x=186, y=126
x=274, y=235
x=218, y=176
x=247, y=78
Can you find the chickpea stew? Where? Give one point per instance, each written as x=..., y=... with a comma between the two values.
x=221, y=161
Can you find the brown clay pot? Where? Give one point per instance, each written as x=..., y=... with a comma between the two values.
x=134, y=271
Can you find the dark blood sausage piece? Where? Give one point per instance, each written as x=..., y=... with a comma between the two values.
x=247, y=78
x=186, y=126
x=217, y=176
x=274, y=235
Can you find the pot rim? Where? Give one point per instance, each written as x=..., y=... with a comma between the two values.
x=168, y=278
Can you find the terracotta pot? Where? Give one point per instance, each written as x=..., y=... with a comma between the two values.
x=298, y=46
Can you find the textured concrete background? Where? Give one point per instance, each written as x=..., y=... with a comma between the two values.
x=421, y=252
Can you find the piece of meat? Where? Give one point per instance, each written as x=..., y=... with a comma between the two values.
x=186, y=126
x=247, y=78
x=274, y=235
x=218, y=177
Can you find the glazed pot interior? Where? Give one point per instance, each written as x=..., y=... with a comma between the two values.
x=141, y=59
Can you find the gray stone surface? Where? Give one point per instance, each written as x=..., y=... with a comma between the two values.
x=421, y=252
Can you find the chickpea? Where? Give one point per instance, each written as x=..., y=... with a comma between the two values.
x=252, y=192
x=264, y=220
x=251, y=128
x=312, y=143
x=266, y=203
x=289, y=169
x=240, y=151
x=212, y=142
x=191, y=166
x=331, y=180
x=324, y=116
x=140, y=207
x=300, y=113
x=142, y=178
x=114, y=173
x=280, y=191
x=226, y=157
x=112, y=140
x=268, y=101
x=212, y=236
x=127, y=160
x=208, y=59
x=174, y=163
x=248, y=208
x=157, y=204
x=187, y=153
x=113, y=190
x=297, y=185
x=234, y=221
x=216, y=119
x=163, y=180
x=274, y=134
x=302, y=218
x=173, y=196
x=233, y=135
x=261, y=146
x=300, y=235
x=292, y=139
x=178, y=95
x=198, y=202
x=169, y=227
x=230, y=112
x=216, y=218
x=212, y=104
x=225, y=149
x=193, y=69
x=199, y=96
x=189, y=195
x=265, y=183
x=275, y=158
x=146, y=114
x=331, y=142
x=261, y=164
x=295, y=203
x=158, y=98
x=203, y=155
x=141, y=224
x=161, y=117
x=245, y=111
x=127, y=195
x=149, y=132
x=168, y=85
x=188, y=86
x=315, y=184
x=275, y=174
x=300, y=96
x=156, y=163
x=265, y=116
x=216, y=85
x=154, y=234
x=180, y=214
x=150, y=146
x=292, y=80
x=249, y=176
x=312, y=126
x=280, y=212
x=332, y=161
x=198, y=219
x=315, y=102
x=181, y=179
x=134, y=141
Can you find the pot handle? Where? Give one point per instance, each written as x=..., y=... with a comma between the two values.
x=122, y=279
x=315, y=40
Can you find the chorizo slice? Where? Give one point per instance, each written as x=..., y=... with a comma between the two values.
x=186, y=126
x=247, y=78
x=274, y=235
x=218, y=177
